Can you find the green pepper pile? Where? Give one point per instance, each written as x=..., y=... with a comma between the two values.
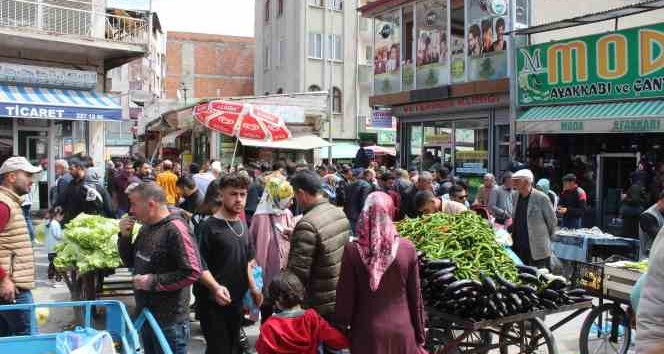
x=464, y=238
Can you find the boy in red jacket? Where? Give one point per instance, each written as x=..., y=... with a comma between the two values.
x=294, y=330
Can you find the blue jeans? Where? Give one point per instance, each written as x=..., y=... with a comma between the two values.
x=16, y=323
x=177, y=335
x=28, y=221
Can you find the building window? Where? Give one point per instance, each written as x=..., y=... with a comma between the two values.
x=316, y=45
x=266, y=58
x=282, y=52
x=267, y=10
x=368, y=53
x=280, y=91
x=334, y=47
x=337, y=5
x=314, y=88
x=280, y=8
x=336, y=100
x=318, y=3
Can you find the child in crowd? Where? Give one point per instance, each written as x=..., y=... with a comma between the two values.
x=53, y=237
x=294, y=330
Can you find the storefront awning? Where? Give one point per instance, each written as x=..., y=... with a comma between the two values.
x=169, y=139
x=624, y=117
x=306, y=142
x=341, y=151
x=49, y=103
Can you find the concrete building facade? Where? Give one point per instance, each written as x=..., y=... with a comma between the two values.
x=54, y=59
x=312, y=45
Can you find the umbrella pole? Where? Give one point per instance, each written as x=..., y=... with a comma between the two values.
x=234, y=151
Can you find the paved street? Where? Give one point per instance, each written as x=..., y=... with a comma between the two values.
x=567, y=336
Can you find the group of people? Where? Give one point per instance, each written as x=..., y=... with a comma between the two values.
x=315, y=250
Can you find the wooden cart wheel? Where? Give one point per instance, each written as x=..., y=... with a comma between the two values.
x=606, y=330
x=528, y=337
x=437, y=339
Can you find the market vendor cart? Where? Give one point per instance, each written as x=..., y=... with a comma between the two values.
x=608, y=327
x=522, y=333
x=124, y=333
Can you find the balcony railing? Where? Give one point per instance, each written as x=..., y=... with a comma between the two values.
x=60, y=20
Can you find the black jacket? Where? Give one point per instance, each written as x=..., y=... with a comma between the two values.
x=192, y=202
x=342, y=192
x=408, y=202
x=167, y=251
x=575, y=202
x=356, y=196
x=79, y=197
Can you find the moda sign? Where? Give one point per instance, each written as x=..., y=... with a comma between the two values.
x=618, y=65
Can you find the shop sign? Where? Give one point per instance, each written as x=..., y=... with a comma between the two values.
x=381, y=118
x=47, y=76
x=646, y=125
x=58, y=112
x=475, y=101
x=387, y=137
x=618, y=65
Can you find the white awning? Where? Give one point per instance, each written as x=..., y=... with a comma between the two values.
x=306, y=142
x=342, y=150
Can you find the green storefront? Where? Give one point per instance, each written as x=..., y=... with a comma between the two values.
x=594, y=106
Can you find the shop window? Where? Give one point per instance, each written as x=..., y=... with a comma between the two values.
x=414, y=145
x=336, y=100
x=471, y=145
x=438, y=144
x=314, y=88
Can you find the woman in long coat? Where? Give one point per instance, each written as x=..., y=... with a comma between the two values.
x=378, y=293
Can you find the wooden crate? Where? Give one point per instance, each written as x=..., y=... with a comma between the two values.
x=618, y=282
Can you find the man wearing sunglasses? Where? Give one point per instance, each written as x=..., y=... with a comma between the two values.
x=459, y=194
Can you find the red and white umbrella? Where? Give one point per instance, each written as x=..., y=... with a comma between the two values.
x=381, y=150
x=241, y=120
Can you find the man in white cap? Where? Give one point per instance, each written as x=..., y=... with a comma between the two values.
x=534, y=221
x=17, y=267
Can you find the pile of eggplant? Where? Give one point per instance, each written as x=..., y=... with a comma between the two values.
x=493, y=296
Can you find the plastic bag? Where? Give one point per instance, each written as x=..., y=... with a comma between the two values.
x=84, y=341
x=248, y=301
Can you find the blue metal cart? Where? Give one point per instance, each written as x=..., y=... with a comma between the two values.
x=124, y=332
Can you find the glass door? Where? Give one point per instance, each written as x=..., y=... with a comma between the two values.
x=34, y=146
x=613, y=179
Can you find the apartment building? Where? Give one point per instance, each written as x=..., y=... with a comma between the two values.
x=316, y=45
x=54, y=98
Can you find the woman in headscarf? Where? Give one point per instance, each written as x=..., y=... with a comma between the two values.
x=544, y=186
x=270, y=231
x=378, y=293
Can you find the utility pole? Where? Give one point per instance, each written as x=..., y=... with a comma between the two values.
x=330, y=90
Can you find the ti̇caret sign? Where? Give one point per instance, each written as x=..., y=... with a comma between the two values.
x=613, y=66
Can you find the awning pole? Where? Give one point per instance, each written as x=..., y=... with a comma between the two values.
x=234, y=151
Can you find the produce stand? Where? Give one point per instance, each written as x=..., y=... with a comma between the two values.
x=525, y=332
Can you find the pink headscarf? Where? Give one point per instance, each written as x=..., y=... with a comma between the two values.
x=378, y=239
